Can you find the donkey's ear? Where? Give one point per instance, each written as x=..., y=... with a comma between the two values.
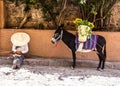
x=61, y=26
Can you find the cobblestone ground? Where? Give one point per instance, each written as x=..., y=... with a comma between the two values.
x=58, y=76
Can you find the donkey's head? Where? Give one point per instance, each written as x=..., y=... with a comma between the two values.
x=58, y=34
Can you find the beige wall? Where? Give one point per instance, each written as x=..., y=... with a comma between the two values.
x=40, y=45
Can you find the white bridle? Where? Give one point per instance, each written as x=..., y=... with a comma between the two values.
x=60, y=36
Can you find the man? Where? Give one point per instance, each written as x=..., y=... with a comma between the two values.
x=20, y=42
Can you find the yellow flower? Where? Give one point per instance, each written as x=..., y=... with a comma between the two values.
x=77, y=21
x=91, y=24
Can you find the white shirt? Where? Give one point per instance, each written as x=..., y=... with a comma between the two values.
x=24, y=49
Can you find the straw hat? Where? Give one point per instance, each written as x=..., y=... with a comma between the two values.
x=20, y=38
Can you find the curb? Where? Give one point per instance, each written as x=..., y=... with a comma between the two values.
x=39, y=61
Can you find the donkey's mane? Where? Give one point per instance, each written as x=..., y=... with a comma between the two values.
x=65, y=31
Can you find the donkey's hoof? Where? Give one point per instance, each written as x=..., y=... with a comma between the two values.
x=72, y=67
x=99, y=69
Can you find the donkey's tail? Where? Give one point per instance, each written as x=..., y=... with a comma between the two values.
x=105, y=54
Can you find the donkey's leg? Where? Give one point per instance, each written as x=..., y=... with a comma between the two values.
x=103, y=63
x=74, y=59
x=100, y=46
x=100, y=61
x=104, y=57
x=101, y=57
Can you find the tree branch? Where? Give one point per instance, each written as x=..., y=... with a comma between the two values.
x=60, y=19
x=27, y=14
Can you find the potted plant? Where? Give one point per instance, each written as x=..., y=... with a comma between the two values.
x=84, y=29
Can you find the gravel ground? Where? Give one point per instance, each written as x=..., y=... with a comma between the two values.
x=67, y=71
x=57, y=76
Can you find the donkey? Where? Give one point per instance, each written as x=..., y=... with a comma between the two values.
x=69, y=39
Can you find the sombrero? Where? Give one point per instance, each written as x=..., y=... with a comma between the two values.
x=20, y=38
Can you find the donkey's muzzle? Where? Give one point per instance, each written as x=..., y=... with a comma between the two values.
x=52, y=41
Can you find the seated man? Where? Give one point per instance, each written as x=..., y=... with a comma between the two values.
x=19, y=49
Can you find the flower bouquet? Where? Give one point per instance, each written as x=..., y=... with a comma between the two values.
x=84, y=29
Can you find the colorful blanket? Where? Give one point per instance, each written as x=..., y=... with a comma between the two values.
x=89, y=44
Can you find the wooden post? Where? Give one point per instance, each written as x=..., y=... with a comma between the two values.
x=2, y=14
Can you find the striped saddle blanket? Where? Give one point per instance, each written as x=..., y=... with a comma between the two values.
x=89, y=44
